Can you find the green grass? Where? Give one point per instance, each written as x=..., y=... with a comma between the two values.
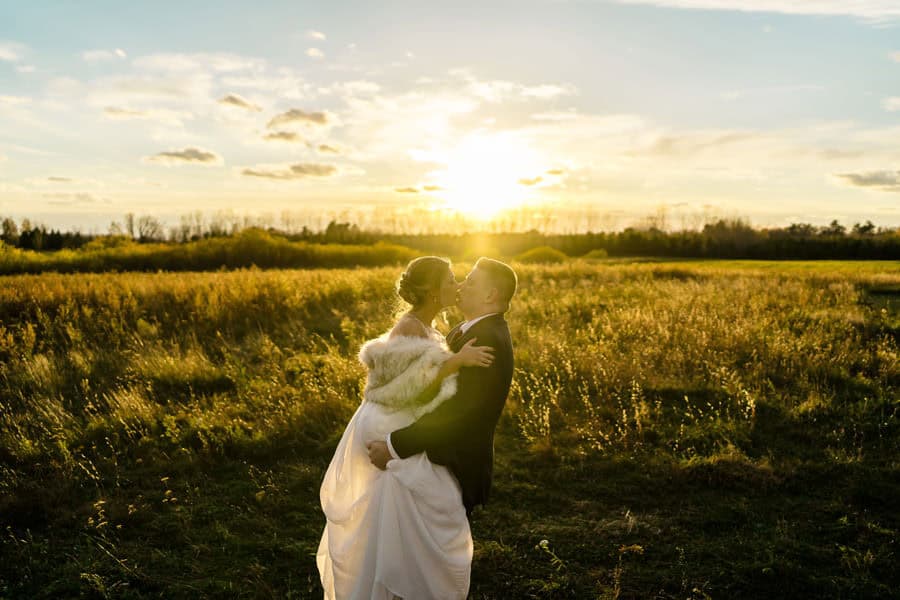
x=723, y=429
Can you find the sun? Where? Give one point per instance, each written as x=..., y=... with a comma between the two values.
x=487, y=173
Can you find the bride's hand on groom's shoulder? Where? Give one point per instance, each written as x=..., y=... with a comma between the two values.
x=471, y=355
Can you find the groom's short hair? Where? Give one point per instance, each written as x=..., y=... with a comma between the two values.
x=501, y=276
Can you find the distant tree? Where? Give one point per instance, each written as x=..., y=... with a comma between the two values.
x=801, y=230
x=116, y=228
x=10, y=233
x=129, y=224
x=149, y=229
x=866, y=229
x=834, y=228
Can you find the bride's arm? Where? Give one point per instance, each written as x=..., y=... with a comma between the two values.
x=468, y=356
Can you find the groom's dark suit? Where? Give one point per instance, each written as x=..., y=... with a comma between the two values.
x=459, y=433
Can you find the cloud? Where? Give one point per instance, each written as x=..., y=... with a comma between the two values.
x=695, y=143
x=315, y=53
x=531, y=181
x=295, y=115
x=186, y=156
x=326, y=149
x=891, y=104
x=297, y=171
x=238, y=101
x=222, y=62
x=176, y=89
x=432, y=188
x=406, y=190
x=773, y=89
x=162, y=115
x=315, y=35
x=555, y=116
x=14, y=100
x=102, y=55
x=69, y=198
x=11, y=51
x=60, y=179
x=895, y=56
x=556, y=172
x=834, y=154
x=888, y=181
x=500, y=90
x=866, y=9
x=283, y=136
x=26, y=69
x=285, y=84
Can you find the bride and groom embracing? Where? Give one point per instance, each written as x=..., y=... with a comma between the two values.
x=417, y=456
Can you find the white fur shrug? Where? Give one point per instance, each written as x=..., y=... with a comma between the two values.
x=400, y=368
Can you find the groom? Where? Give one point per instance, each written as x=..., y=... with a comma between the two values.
x=459, y=433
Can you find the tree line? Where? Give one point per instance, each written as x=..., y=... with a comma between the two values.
x=723, y=238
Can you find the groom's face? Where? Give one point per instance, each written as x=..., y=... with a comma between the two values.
x=473, y=292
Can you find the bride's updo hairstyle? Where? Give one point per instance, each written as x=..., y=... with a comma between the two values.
x=421, y=277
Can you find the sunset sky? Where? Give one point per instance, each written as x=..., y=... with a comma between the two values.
x=774, y=110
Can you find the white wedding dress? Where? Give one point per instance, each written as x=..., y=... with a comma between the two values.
x=401, y=532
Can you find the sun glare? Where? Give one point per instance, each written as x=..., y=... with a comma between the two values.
x=486, y=174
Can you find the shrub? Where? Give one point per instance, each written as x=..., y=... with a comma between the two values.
x=596, y=254
x=542, y=254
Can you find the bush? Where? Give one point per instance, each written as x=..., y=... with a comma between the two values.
x=596, y=254
x=542, y=254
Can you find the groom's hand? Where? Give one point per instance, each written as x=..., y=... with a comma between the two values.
x=379, y=454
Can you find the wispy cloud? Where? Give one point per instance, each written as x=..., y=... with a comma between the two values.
x=162, y=115
x=285, y=83
x=406, y=190
x=888, y=181
x=14, y=100
x=26, y=69
x=499, y=90
x=103, y=55
x=891, y=104
x=530, y=181
x=11, y=51
x=694, y=143
x=297, y=171
x=119, y=90
x=326, y=149
x=283, y=136
x=70, y=198
x=315, y=53
x=769, y=90
x=222, y=62
x=315, y=35
x=186, y=156
x=240, y=102
x=895, y=56
x=865, y=9
x=296, y=115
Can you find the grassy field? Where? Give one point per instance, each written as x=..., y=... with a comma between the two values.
x=675, y=430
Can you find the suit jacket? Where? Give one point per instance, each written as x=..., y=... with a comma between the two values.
x=459, y=433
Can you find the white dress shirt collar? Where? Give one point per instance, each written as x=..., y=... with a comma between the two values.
x=468, y=324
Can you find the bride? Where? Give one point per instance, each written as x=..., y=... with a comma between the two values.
x=402, y=532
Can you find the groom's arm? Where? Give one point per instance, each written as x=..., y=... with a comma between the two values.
x=454, y=417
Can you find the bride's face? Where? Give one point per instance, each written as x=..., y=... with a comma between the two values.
x=447, y=291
